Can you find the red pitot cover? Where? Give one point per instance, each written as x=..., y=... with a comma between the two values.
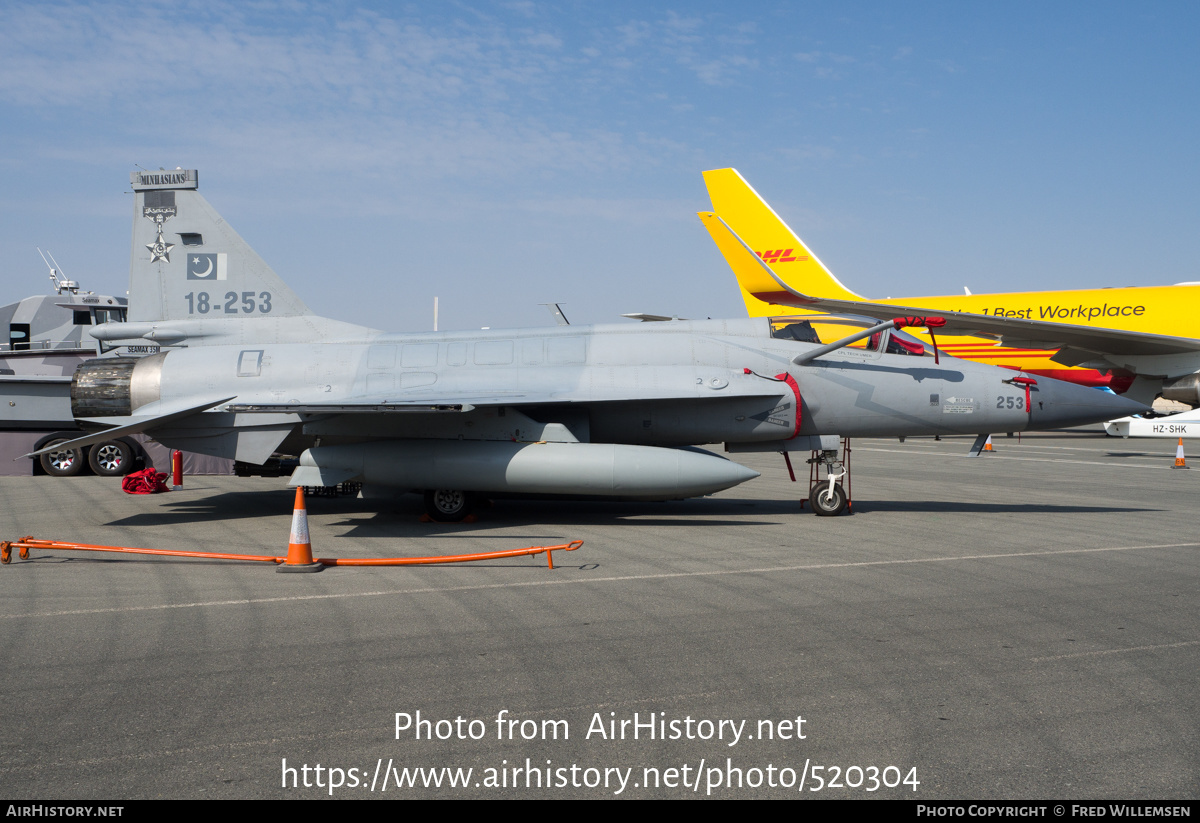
x=147, y=481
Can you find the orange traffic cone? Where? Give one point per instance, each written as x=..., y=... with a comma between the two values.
x=299, y=556
x=1179, y=464
x=987, y=447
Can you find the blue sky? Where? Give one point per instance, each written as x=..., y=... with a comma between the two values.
x=503, y=154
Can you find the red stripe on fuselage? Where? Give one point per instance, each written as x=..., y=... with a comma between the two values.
x=791, y=381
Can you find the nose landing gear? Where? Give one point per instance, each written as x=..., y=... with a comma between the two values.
x=829, y=495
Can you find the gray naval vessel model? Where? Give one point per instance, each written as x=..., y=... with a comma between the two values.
x=46, y=342
x=248, y=371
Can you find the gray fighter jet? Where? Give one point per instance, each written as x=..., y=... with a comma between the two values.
x=607, y=410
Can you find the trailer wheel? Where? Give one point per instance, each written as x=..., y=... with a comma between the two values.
x=62, y=462
x=448, y=505
x=112, y=458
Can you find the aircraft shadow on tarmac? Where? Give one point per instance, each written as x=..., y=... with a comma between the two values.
x=181, y=510
x=400, y=517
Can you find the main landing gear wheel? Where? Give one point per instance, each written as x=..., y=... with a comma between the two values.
x=112, y=458
x=62, y=462
x=448, y=505
x=825, y=504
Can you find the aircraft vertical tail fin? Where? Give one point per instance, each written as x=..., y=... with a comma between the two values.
x=187, y=263
x=772, y=240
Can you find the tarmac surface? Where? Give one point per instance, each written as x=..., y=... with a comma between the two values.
x=1022, y=625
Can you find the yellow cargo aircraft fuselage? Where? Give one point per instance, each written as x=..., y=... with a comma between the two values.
x=1165, y=310
x=1171, y=310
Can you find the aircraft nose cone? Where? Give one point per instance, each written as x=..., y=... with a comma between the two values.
x=1059, y=404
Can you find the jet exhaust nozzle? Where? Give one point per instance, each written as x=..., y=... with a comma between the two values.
x=1184, y=389
x=115, y=386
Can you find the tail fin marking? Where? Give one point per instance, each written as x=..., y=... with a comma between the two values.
x=771, y=239
x=187, y=263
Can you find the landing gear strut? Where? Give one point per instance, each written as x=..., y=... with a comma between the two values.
x=828, y=495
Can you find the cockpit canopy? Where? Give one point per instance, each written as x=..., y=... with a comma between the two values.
x=828, y=329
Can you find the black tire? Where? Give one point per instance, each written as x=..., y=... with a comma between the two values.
x=822, y=505
x=112, y=458
x=448, y=505
x=62, y=462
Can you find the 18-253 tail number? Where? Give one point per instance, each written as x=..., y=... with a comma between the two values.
x=234, y=303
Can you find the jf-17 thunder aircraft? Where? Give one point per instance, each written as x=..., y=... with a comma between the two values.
x=247, y=371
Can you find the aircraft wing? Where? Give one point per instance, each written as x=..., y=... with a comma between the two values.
x=448, y=401
x=372, y=406
x=762, y=282
x=152, y=416
x=1012, y=332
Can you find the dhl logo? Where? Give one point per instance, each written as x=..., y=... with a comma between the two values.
x=780, y=256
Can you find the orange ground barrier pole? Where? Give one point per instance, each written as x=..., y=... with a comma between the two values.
x=26, y=543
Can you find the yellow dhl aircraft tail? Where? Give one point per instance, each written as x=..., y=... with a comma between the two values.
x=1162, y=310
x=772, y=240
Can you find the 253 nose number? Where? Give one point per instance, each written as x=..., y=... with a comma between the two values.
x=245, y=303
x=1010, y=402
